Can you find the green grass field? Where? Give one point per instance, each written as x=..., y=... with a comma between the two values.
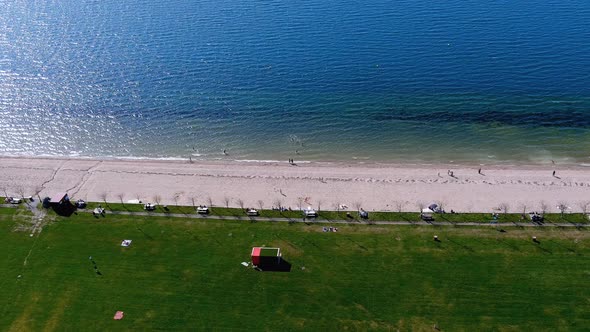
x=186, y=275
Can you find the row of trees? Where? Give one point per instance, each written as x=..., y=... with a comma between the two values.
x=543, y=206
x=21, y=191
x=398, y=206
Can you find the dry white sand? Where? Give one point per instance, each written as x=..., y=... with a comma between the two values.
x=373, y=187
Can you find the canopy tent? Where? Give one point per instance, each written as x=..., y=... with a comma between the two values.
x=262, y=255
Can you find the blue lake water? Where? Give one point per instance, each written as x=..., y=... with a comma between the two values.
x=426, y=81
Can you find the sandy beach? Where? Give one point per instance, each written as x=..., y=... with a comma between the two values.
x=372, y=186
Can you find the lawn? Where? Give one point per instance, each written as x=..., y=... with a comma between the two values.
x=186, y=275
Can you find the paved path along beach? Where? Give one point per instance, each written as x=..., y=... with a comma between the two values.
x=324, y=221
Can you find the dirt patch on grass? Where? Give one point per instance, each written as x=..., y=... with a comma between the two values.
x=58, y=312
x=22, y=322
x=367, y=325
x=415, y=324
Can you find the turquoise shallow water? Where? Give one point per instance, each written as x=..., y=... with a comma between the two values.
x=426, y=81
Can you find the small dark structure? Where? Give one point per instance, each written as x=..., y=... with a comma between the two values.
x=536, y=217
x=60, y=203
x=364, y=214
x=46, y=201
x=59, y=199
x=269, y=259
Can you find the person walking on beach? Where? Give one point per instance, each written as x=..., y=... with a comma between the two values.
x=479, y=171
x=553, y=173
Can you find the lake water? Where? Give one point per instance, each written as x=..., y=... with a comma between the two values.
x=376, y=80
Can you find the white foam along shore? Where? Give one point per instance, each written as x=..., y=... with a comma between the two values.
x=381, y=187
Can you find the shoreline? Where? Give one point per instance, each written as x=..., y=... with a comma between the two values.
x=342, y=163
x=375, y=186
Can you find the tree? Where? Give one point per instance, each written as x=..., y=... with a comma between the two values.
x=38, y=191
x=193, y=199
x=504, y=207
x=319, y=204
x=420, y=206
x=103, y=195
x=337, y=207
x=240, y=203
x=210, y=201
x=260, y=204
x=562, y=207
x=175, y=198
x=584, y=206
x=441, y=204
x=399, y=205
x=157, y=199
x=357, y=206
x=21, y=191
x=299, y=202
x=278, y=202
x=522, y=207
x=120, y=196
x=226, y=201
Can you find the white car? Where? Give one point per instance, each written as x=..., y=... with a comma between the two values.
x=202, y=210
x=13, y=200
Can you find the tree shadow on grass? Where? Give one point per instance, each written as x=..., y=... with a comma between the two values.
x=468, y=248
x=311, y=242
x=509, y=245
x=569, y=249
x=144, y=233
x=540, y=248
x=444, y=218
x=358, y=244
